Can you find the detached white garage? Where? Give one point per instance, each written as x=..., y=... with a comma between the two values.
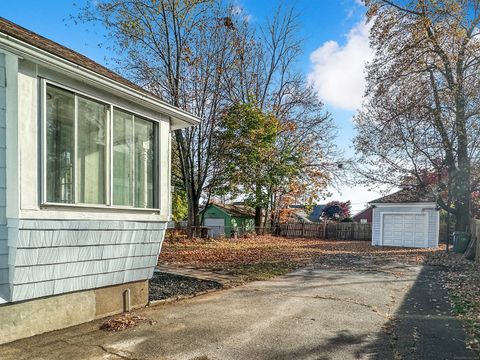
x=405, y=219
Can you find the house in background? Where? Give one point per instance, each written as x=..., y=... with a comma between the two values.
x=364, y=216
x=405, y=218
x=228, y=219
x=84, y=186
x=300, y=213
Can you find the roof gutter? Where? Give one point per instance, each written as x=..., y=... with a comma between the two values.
x=390, y=204
x=50, y=60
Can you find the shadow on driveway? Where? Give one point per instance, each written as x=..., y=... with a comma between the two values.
x=368, y=309
x=423, y=327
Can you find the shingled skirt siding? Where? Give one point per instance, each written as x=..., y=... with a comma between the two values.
x=4, y=287
x=52, y=257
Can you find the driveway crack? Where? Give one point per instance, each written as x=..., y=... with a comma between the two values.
x=351, y=301
x=104, y=349
x=109, y=351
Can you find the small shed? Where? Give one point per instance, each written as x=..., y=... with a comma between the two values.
x=228, y=219
x=406, y=218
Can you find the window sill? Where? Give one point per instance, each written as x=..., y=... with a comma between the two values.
x=114, y=208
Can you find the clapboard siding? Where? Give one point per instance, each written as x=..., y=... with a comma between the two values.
x=52, y=257
x=432, y=214
x=4, y=287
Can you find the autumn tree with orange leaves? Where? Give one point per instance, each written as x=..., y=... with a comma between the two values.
x=267, y=162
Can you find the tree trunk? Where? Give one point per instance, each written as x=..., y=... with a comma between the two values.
x=462, y=194
x=193, y=216
x=462, y=176
x=462, y=216
x=258, y=219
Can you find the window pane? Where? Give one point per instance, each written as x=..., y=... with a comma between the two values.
x=92, y=118
x=144, y=163
x=122, y=133
x=60, y=124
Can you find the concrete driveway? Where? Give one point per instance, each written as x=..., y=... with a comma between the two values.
x=378, y=311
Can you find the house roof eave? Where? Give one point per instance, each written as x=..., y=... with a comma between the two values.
x=179, y=118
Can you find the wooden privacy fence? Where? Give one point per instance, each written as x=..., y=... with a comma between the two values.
x=339, y=231
x=304, y=230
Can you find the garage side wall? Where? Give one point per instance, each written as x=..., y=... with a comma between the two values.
x=433, y=221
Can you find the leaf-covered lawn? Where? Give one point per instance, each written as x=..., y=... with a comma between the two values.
x=263, y=257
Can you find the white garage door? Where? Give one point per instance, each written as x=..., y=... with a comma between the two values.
x=216, y=227
x=407, y=230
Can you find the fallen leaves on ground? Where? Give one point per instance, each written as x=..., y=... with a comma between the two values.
x=263, y=257
x=122, y=322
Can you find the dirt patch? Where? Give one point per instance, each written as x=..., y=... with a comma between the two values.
x=166, y=286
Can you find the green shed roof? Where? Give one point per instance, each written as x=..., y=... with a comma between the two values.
x=236, y=210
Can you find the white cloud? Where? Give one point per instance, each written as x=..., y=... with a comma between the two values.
x=238, y=10
x=338, y=71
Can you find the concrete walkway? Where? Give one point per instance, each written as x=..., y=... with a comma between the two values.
x=392, y=312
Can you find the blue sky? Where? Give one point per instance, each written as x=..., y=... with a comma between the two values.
x=335, y=47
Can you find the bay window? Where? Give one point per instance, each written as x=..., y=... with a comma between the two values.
x=98, y=154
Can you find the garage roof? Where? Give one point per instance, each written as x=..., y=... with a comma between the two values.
x=406, y=195
x=236, y=210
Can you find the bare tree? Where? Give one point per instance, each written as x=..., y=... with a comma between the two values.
x=178, y=50
x=421, y=115
x=204, y=57
x=263, y=69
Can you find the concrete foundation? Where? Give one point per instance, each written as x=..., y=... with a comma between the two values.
x=28, y=318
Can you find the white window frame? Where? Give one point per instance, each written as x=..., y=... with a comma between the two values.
x=109, y=156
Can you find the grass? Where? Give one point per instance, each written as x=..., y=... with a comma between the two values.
x=460, y=305
x=261, y=270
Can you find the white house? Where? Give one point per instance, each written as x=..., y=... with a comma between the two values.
x=84, y=186
x=405, y=219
